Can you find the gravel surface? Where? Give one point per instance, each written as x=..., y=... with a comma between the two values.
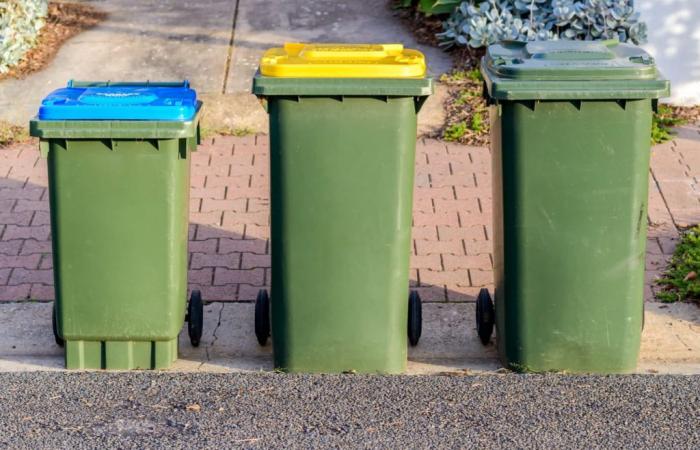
x=168, y=410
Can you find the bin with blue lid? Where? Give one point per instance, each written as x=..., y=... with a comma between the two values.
x=119, y=177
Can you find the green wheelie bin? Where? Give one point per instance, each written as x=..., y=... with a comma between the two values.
x=118, y=159
x=342, y=151
x=570, y=141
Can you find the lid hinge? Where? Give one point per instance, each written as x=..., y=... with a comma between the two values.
x=486, y=96
x=419, y=102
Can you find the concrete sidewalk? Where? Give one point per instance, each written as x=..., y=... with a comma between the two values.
x=230, y=261
x=216, y=44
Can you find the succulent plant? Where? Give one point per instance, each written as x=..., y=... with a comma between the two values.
x=481, y=23
x=20, y=22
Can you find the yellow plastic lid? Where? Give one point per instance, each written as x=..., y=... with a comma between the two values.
x=298, y=60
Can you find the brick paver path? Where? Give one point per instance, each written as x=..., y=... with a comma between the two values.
x=229, y=231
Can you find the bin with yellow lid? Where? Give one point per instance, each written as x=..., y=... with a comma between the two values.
x=342, y=145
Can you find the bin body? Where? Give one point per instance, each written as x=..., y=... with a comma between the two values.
x=570, y=177
x=119, y=196
x=341, y=171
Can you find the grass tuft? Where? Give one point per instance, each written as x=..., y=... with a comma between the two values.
x=226, y=131
x=467, y=115
x=11, y=134
x=455, y=132
x=681, y=281
x=662, y=123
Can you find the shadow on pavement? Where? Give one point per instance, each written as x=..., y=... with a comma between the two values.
x=228, y=267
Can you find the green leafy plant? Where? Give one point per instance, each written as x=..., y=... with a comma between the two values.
x=463, y=75
x=481, y=23
x=681, y=281
x=662, y=123
x=437, y=6
x=20, y=22
x=466, y=111
x=465, y=96
x=431, y=7
x=477, y=123
x=475, y=75
x=455, y=131
x=207, y=131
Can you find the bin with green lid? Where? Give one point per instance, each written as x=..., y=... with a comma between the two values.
x=570, y=140
x=119, y=170
x=342, y=144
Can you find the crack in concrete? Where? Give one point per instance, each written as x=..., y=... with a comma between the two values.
x=229, y=56
x=214, y=336
x=683, y=342
x=663, y=197
x=661, y=192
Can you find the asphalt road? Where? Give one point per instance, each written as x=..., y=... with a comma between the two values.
x=165, y=410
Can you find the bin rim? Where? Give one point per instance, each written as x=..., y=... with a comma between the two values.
x=571, y=70
x=264, y=86
x=120, y=100
x=117, y=129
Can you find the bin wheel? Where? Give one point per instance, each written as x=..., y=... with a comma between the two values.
x=54, y=325
x=485, y=316
x=195, y=317
x=262, y=316
x=415, y=318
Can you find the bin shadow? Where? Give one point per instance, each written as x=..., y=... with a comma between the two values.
x=449, y=341
x=229, y=268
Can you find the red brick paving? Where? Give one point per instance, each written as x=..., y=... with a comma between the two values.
x=229, y=229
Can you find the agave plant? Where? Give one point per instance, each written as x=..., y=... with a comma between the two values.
x=20, y=22
x=480, y=23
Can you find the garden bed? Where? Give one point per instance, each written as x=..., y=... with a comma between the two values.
x=12, y=134
x=466, y=112
x=64, y=20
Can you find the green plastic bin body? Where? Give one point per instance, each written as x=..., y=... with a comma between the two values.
x=119, y=197
x=570, y=147
x=342, y=155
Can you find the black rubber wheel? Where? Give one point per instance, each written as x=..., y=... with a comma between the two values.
x=262, y=316
x=485, y=316
x=195, y=317
x=415, y=318
x=54, y=325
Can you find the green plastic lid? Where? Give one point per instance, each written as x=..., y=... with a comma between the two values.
x=550, y=70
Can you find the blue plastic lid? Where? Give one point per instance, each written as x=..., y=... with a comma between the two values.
x=120, y=101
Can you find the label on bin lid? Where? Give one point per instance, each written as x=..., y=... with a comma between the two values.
x=120, y=101
x=297, y=60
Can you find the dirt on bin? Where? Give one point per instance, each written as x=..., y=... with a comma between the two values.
x=64, y=21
